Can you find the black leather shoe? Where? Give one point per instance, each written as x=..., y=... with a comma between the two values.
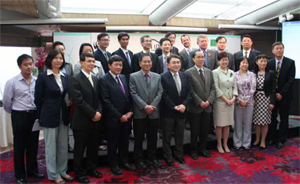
x=141, y=165
x=155, y=162
x=170, y=162
x=194, y=156
x=70, y=149
x=116, y=170
x=180, y=160
x=128, y=166
x=187, y=126
x=21, y=181
x=205, y=154
x=36, y=175
x=262, y=148
x=280, y=145
x=95, y=174
x=83, y=179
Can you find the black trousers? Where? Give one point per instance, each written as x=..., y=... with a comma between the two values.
x=86, y=140
x=283, y=109
x=117, y=141
x=199, y=123
x=140, y=128
x=25, y=143
x=170, y=125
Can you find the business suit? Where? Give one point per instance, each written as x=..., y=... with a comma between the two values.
x=136, y=65
x=238, y=57
x=231, y=64
x=116, y=104
x=211, y=59
x=87, y=102
x=172, y=119
x=186, y=59
x=142, y=123
x=163, y=67
x=174, y=50
x=200, y=118
x=99, y=56
x=284, y=87
x=127, y=68
x=53, y=116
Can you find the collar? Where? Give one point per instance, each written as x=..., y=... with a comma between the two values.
x=197, y=68
x=113, y=75
x=124, y=50
x=20, y=77
x=146, y=51
x=166, y=55
x=203, y=50
x=279, y=60
x=50, y=72
x=145, y=73
x=248, y=51
x=102, y=51
x=172, y=73
x=86, y=74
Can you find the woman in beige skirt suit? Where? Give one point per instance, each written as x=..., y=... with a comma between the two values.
x=226, y=92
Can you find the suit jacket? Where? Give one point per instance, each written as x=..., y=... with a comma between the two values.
x=135, y=65
x=161, y=64
x=186, y=60
x=270, y=86
x=49, y=100
x=201, y=92
x=115, y=102
x=286, y=76
x=127, y=70
x=231, y=64
x=174, y=50
x=86, y=100
x=142, y=97
x=211, y=59
x=238, y=57
x=100, y=57
x=170, y=97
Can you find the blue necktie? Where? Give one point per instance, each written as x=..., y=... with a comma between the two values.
x=205, y=54
x=128, y=58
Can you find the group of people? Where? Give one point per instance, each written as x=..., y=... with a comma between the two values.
x=145, y=92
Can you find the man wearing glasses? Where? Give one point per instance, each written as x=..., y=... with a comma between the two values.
x=101, y=53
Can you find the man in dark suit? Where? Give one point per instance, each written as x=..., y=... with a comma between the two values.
x=176, y=96
x=246, y=52
x=117, y=104
x=284, y=68
x=174, y=50
x=146, y=92
x=200, y=109
x=101, y=53
x=126, y=54
x=221, y=45
x=166, y=47
x=186, y=59
x=85, y=90
x=146, y=43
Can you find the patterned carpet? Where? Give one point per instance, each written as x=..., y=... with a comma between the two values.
x=239, y=166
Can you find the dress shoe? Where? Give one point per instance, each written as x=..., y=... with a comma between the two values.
x=83, y=179
x=116, y=170
x=141, y=165
x=21, y=181
x=170, y=162
x=262, y=147
x=187, y=126
x=95, y=174
x=280, y=145
x=247, y=148
x=70, y=149
x=194, y=156
x=67, y=177
x=205, y=154
x=128, y=166
x=180, y=160
x=36, y=175
x=155, y=162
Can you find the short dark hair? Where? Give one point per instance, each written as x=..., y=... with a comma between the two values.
x=220, y=37
x=56, y=44
x=84, y=55
x=102, y=35
x=277, y=43
x=260, y=56
x=142, y=39
x=83, y=45
x=144, y=55
x=195, y=52
x=246, y=36
x=172, y=56
x=22, y=58
x=115, y=58
x=169, y=34
x=121, y=34
x=222, y=55
x=162, y=41
x=51, y=55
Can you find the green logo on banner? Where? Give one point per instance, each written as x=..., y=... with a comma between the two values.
x=212, y=43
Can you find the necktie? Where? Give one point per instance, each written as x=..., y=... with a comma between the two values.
x=105, y=54
x=277, y=72
x=90, y=79
x=128, y=58
x=206, y=62
x=177, y=84
x=147, y=79
x=165, y=63
x=246, y=54
x=120, y=84
x=202, y=76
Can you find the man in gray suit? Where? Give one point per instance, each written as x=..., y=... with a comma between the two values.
x=146, y=92
x=186, y=59
x=221, y=45
x=202, y=42
x=203, y=95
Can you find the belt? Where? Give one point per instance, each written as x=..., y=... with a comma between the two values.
x=26, y=111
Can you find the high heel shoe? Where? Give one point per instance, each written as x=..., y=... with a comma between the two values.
x=220, y=150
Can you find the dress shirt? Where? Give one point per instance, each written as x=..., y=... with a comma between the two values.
x=114, y=76
x=104, y=53
x=18, y=95
x=89, y=76
x=187, y=50
x=57, y=78
x=197, y=68
x=165, y=58
x=248, y=53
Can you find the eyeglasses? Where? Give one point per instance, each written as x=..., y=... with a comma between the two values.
x=105, y=40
